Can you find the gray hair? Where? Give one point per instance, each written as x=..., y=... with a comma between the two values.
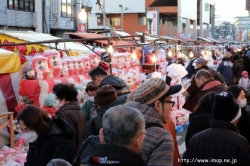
x=122, y=125
x=203, y=73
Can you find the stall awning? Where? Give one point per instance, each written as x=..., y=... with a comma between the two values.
x=116, y=42
x=204, y=39
x=214, y=40
x=9, y=62
x=29, y=36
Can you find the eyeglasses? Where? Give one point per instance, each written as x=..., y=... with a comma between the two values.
x=166, y=101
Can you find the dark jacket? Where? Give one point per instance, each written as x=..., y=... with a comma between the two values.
x=53, y=144
x=101, y=154
x=158, y=146
x=193, y=91
x=238, y=68
x=211, y=86
x=246, y=61
x=71, y=112
x=122, y=90
x=244, y=124
x=190, y=68
x=95, y=123
x=220, y=141
x=225, y=69
x=198, y=121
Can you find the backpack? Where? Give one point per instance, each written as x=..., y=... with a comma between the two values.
x=217, y=76
x=82, y=156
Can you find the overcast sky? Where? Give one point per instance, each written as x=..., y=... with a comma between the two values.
x=227, y=10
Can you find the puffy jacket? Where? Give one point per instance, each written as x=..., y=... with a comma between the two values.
x=225, y=69
x=71, y=112
x=221, y=141
x=95, y=123
x=122, y=90
x=238, y=68
x=244, y=124
x=158, y=146
x=53, y=144
x=198, y=121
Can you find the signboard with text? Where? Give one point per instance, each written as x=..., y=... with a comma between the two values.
x=82, y=28
x=55, y=14
x=154, y=24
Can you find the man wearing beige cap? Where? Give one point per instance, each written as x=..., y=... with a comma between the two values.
x=153, y=99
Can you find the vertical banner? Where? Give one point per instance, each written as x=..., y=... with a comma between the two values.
x=55, y=14
x=154, y=24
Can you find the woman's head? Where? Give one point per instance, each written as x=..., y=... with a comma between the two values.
x=239, y=93
x=206, y=103
x=65, y=92
x=91, y=89
x=34, y=119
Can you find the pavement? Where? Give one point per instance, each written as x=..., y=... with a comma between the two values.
x=181, y=141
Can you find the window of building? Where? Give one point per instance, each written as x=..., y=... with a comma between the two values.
x=22, y=5
x=142, y=20
x=66, y=8
x=115, y=21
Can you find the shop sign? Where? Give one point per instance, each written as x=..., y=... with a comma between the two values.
x=55, y=14
x=82, y=28
x=154, y=25
x=66, y=23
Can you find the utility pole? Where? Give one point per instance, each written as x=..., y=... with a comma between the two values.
x=213, y=21
x=121, y=16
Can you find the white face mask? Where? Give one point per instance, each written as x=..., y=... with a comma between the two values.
x=243, y=103
x=58, y=105
x=30, y=137
x=91, y=98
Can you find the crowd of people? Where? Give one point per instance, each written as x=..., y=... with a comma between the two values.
x=134, y=128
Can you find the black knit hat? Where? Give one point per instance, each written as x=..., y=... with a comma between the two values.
x=225, y=107
x=105, y=95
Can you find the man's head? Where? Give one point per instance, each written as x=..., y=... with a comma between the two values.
x=124, y=126
x=201, y=77
x=155, y=93
x=97, y=75
x=200, y=62
x=226, y=108
x=229, y=54
x=105, y=94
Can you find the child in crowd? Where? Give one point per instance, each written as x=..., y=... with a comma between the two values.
x=244, y=81
x=89, y=108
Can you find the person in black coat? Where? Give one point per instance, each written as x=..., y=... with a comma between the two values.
x=244, y=122
x=48, y=139
x=199, y=120
x=221, y=142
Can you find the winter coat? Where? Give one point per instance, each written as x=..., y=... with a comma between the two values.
x=101, y=154
x=193, y=91
x=246, y=61
x=220, y=141
x=190, y=68
x=198, y=121
x=244, y=124
x=158, y=146
x=238, y=68
x=211, y=86
x=122, y=90
x=71, y=112
x=53, y=144
x=95, y=123
x=225, y=69
x=244, y=83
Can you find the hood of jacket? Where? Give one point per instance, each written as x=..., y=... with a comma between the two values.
x=240, y=61
x=112, y=104
x=200, y=119
x=109, y=154
x=117, y=83
x=57, y=127
x=150, y=114
x=73, y=106
x=224, y=124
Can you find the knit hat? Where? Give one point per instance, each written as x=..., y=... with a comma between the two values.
x=153, y=89
x=244, y=72
x=225, y=107
x=105, y=95
x=104, y=66
x=202, y=61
